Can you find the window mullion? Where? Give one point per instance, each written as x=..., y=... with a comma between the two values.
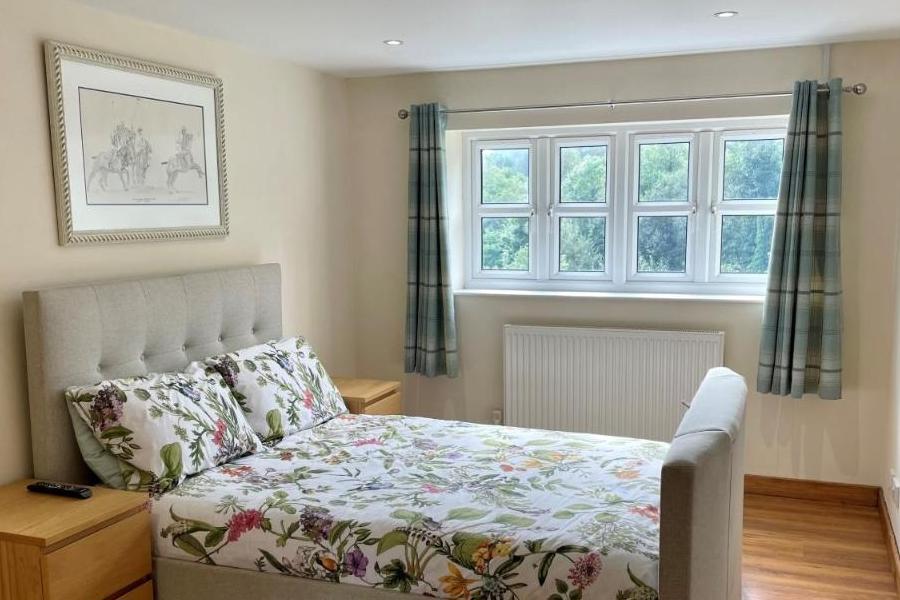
x=536, y=192
x=488, y=210
x=703, y=222
x=732, y=207
x=619, y=254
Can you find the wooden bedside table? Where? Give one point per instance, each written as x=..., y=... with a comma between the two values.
x=55, y=548
x=370, y=396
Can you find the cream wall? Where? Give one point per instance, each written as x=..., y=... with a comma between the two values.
x=285, y=136
x=882, y=133
x=837, y=441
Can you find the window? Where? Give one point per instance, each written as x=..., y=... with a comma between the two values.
x=664, y=201
x=650, y=207
x=504, y=176
x=578, y=208
x=744, y=206
x=582, y=173
x=505, y=243
x=582, y=244
x=504, y=180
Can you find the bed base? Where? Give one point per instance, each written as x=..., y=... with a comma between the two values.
x=184, y=580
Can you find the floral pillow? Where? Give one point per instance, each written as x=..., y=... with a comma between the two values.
x=164, y=427
x=281, y=385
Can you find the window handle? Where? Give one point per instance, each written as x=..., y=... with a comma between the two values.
x=532, y=211
x=714, y=208
x=693, y=208
x=550, y=211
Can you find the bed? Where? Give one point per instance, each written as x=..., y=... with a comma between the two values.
x=377, y=507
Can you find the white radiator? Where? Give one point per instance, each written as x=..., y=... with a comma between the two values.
x=624, y=382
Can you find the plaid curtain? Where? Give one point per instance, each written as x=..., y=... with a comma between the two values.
x=800, y=349
x=430, y=321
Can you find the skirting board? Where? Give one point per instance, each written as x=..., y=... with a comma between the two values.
x=802, y=489
x=826, y=491
x=889, y=538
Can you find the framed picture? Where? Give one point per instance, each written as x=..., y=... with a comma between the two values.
x=138, y=148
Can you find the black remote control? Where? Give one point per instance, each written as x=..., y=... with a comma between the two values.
x=60, y=489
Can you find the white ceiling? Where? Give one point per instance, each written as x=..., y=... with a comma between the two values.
x=345, y=36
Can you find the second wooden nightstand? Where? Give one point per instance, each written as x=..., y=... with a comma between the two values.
x=54, y=548
x=370, y=396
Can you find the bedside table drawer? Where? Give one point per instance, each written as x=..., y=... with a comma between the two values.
x=389, y=405
x=101, y=564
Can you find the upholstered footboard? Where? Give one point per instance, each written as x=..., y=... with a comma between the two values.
x=701, y=507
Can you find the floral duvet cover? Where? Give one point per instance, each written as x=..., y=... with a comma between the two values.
x=440, y=508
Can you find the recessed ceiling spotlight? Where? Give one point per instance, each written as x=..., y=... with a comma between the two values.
x=393, y=42
x=725, y=14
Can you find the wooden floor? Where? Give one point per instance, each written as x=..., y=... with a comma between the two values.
x=800, y=549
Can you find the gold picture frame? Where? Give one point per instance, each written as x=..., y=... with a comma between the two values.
x=111, y=183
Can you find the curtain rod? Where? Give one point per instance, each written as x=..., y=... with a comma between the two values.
x=857, y=89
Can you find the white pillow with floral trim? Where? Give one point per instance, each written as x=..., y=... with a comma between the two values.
x=281, y=385
x=163, y=427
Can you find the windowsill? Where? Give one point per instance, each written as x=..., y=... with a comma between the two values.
x=725, y=298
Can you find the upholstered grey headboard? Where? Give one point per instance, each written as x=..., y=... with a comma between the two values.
x=87, y=333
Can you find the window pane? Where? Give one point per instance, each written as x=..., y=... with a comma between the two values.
x=664, y=172
x=746, y=243
x=504, y=243
x=582, y=244
x=582, y=174
x=752, y=169
x=662, y=244
x=504, y=176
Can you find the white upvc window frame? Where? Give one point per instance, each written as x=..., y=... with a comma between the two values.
x=638, y=209
x=721, y=208
x=481, y=211
x=558, y=209
x=704, y=209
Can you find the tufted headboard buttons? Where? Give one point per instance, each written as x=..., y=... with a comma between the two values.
x=83, y=334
